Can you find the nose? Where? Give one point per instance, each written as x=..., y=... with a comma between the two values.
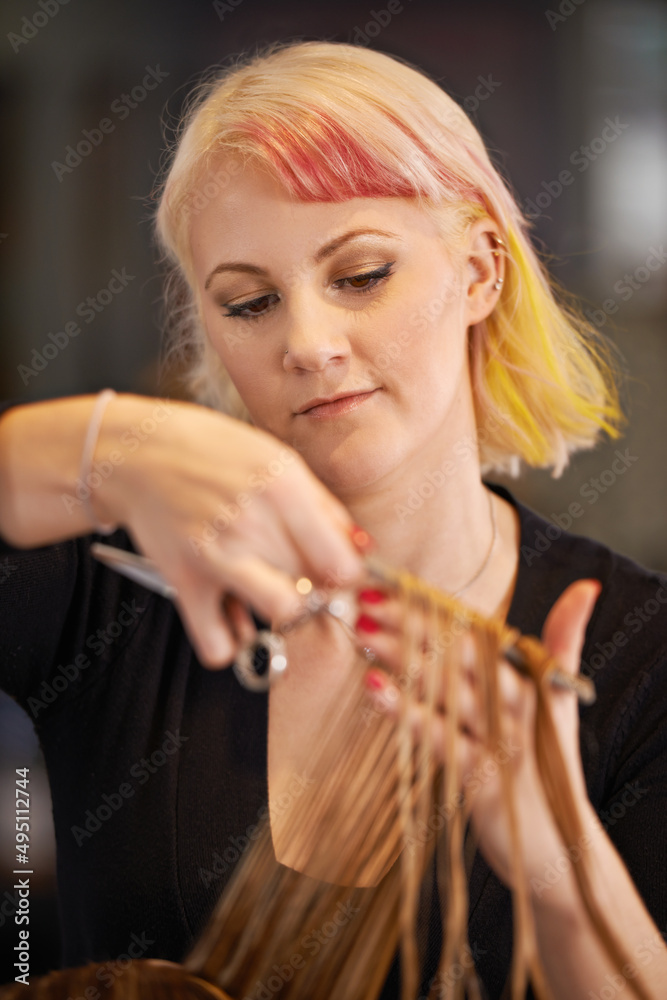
x=315, y=336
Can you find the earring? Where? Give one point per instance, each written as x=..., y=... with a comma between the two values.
x=499, y=243
x=496, y=253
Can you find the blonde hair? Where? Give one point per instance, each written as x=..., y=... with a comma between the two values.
x=332, y=122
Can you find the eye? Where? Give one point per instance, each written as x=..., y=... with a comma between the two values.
x=253, y=308
x=359, y=283
x=368, y=280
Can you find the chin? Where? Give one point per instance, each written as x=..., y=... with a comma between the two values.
x=352, y=465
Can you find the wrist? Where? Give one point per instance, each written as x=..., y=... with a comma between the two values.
x=91, y=472
x=129, y=425
x=555, y=890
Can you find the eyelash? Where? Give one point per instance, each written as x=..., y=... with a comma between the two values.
x=378, y=275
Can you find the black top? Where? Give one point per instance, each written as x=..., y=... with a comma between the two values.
x=158, y=766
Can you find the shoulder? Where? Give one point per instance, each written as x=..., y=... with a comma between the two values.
x=632, y=607
x=625, y=648
x=67, y=618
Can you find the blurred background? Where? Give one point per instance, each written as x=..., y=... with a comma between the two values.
x=572, y=100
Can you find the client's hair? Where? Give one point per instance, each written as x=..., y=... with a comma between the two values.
x=332, y=122
x=140, y=980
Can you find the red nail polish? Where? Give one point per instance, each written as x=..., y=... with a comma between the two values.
x=365, y=623
x=372, y=596
x=375, y=680
x=361, y=539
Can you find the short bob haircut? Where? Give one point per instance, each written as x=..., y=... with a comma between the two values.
x=331, y=122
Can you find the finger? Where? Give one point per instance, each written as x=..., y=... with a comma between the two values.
x=322, y=531
x=200, y=607
x=391, y=630
x=565, y=627
x=240, y=622
x=425, y=672
x=382, y=607
x=515, y=691
x=387, y=698
x=269, y=591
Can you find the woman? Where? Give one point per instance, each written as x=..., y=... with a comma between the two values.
x=352, y=275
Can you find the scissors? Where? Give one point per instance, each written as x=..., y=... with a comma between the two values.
x=268, y=648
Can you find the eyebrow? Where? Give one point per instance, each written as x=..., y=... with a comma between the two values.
x=322, y=254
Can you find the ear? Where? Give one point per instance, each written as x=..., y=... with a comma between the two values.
x=485, y=270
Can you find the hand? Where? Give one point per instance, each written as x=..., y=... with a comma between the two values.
x=479, y=766
x=225, y=511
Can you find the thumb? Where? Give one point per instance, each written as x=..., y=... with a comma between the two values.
x=565, y=627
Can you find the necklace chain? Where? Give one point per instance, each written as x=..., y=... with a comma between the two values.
x=487, y=558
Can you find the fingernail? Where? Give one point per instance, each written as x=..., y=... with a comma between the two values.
x=361, y=539
x=375, y=680
x=372, y=596
x=365, y=623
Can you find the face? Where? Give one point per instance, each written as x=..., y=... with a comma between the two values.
x=343, y=327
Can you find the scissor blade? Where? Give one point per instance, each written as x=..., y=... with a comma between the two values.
x=135, y=567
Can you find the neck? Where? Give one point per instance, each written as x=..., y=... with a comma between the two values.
x=437, y=525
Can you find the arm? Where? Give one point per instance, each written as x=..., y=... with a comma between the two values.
x=221, y=507
x=575, y=964
x=40, y=451
x=573, y=959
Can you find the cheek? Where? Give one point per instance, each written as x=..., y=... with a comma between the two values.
x=239, y=346
x=426, y=344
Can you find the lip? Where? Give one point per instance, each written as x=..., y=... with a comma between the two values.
x=333, y=406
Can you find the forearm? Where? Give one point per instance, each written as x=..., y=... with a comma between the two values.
x=42, y=498
x=576, y=965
